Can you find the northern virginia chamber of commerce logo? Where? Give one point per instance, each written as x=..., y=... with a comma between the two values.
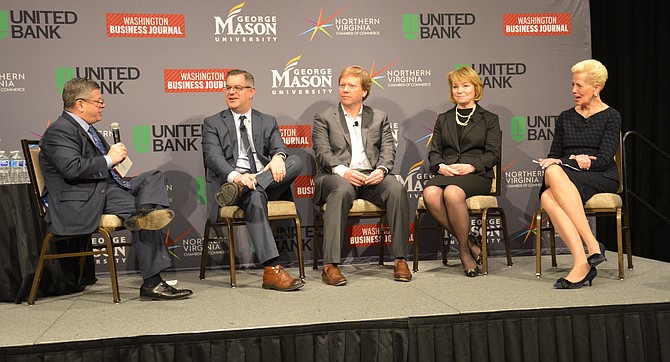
x=242, y=27
x=12, y=82
x=341, y=26
x=35, y=24
x=167, y=137
x=112, y=80
x=518, y=176
x=532, y=128
x=294, y=80
x=537, y=24
x=145, y=25
x=436, y=25
x=194, y=80
x=399, y=77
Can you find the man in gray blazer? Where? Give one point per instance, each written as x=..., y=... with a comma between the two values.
x=355, y=152
x=81, y=185
x=248, y=165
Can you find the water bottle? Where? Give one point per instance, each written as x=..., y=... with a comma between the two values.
x=4, y=168
x=18, y=172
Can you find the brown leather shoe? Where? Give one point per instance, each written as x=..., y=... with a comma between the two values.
x=230, y=193
x=401, y=271
x=278, y=279
x=149, y=219
x=331, y=275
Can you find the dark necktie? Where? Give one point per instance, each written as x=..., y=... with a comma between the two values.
x=247, y=146
x=98, y=143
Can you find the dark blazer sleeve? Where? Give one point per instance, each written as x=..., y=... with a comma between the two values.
x=272, y=141
x=218, y=146
x=385, y=144
x=322, y=130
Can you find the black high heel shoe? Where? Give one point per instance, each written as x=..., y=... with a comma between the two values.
x=595, y=258
x=562, y=283
x=472, y=272
x=472, y=240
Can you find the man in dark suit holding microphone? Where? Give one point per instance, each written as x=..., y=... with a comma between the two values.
x=82, y=184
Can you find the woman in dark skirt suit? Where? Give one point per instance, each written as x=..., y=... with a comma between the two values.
x=463, y=150
x=586, y=137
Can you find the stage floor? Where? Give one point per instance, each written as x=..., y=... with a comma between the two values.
x=371, y=294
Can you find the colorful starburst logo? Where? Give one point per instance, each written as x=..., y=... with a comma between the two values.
x=321, y=24
x=377, y=74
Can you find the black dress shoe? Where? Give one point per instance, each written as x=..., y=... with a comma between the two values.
x=163, y=291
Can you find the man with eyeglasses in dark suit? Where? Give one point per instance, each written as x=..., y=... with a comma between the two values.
x=248, y=165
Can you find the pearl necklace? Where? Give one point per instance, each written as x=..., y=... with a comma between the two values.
x=458, y=121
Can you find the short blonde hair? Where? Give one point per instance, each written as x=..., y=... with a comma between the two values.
x=465, y=74
x=360, y=73
x=594, y=70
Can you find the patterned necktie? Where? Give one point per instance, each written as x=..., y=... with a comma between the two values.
x=98, y=143
x=247, y=146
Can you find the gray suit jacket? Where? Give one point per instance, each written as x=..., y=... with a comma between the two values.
x=332, y=143
x=479, y=144
x=76, y=174
x=220, y=149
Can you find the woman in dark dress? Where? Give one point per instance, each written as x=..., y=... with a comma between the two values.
x=463, y=150
x=586, y=137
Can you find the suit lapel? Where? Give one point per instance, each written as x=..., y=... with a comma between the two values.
x=339, y=114
x=84, y=134
x=450, y=120
x=366, y=120
x=229, y=122
x=473, y=122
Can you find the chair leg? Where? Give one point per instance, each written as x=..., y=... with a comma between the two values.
x=231, y=252
x=443, y=249
x=205, y=250
x=38, y=270
x=552, y=242
x=619, y=237
x=629, y=251
x=538, y=243
x=301, y=259
x=508, y=250
x=315, y=249
x=382, y=240
x=415, y=267
x=485, y=263
x=109, y=246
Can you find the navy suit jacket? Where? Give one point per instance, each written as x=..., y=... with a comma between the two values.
x=75, y=174
x=220, y=148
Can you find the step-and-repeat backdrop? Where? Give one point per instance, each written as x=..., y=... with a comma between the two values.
x=162, y=67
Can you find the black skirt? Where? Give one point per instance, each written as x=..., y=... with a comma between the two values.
x=588, y=183
x=472, y=184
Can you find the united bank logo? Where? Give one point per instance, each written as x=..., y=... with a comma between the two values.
x=12, y=82
x=294, y=80
x=436, y=25
x=343, y=26
x=194, y=80
x=145, y=25
x=112, y=80
x=167, y=138
x=537, y=24
x=243, y=28
x=532, y=128
x=498, y=75
x=35, y=24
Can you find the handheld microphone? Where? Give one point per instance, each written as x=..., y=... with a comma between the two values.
x=115, y=132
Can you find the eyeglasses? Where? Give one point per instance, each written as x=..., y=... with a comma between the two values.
x=100, y=102
x=237, y=88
